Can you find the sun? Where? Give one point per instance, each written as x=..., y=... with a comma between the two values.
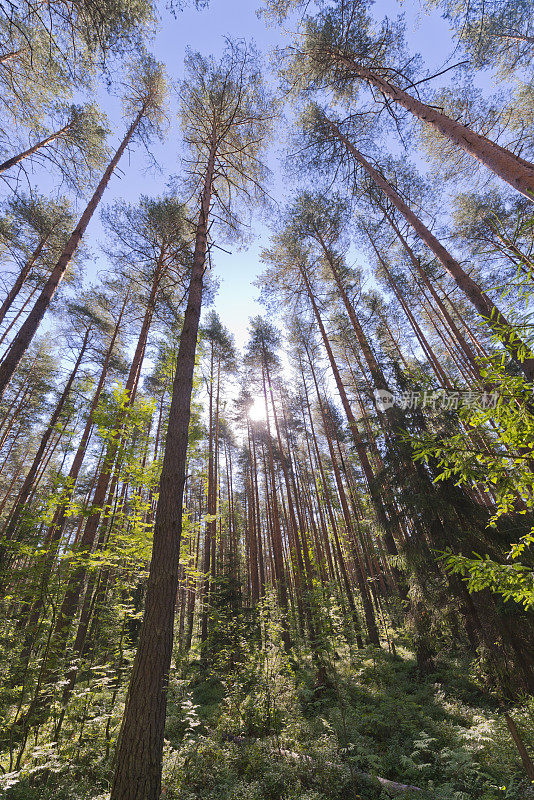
x=256, y=411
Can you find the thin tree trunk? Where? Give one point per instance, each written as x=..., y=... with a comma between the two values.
x=484, y=305
x=14, y=160
x=421, y=338
x=280, y=574
x=14, y=321
x=250, y=533
x=21, y=277
x=57, y=525
x=32, y=472
x=14, y=479
x=521, y=749
x=209, y=529
x=261, y=561
x=338, y=551
x=109, y=472
x=358, y=444
x=416, y=264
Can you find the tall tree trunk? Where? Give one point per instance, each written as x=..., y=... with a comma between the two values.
x=303, y=565
x=421, y=338
x=372, y=630
x=280, y=575
x=55, y=530
x=353, y=427
x=370, y=620
x=209, y=528
x=505, y=332
x=261, y=560
x=250, y=534
x=58, y=521
x=24, y=390
x=14, y=479
x=140, y=749
x=109, y=472
x=28, y=329
x=15, y=319
x=416, y=264
x=511, y=168
x=338, y=552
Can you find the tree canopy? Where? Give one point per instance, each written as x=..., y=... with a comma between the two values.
x=266, y=415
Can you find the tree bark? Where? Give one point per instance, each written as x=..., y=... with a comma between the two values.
x=32, y=472
x=28, y=329
x=521, y=749
x=516, y=171
x=140, y=749
x=504, y=331
x=14, y=160
x=21, y=277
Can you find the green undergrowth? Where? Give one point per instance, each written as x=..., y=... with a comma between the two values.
x=265, y=730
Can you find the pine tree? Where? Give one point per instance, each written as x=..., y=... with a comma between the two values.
x=33, y=229
x=225, y=115
x=143, y=100
x=340, y=48
x=320, y=128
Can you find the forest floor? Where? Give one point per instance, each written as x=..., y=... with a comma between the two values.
x=264, y=730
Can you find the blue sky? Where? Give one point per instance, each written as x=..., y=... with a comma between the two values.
x=205, y=31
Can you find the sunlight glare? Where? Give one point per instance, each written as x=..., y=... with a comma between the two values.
x=257, y=409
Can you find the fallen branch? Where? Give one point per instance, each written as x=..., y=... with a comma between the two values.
x=392, y=787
